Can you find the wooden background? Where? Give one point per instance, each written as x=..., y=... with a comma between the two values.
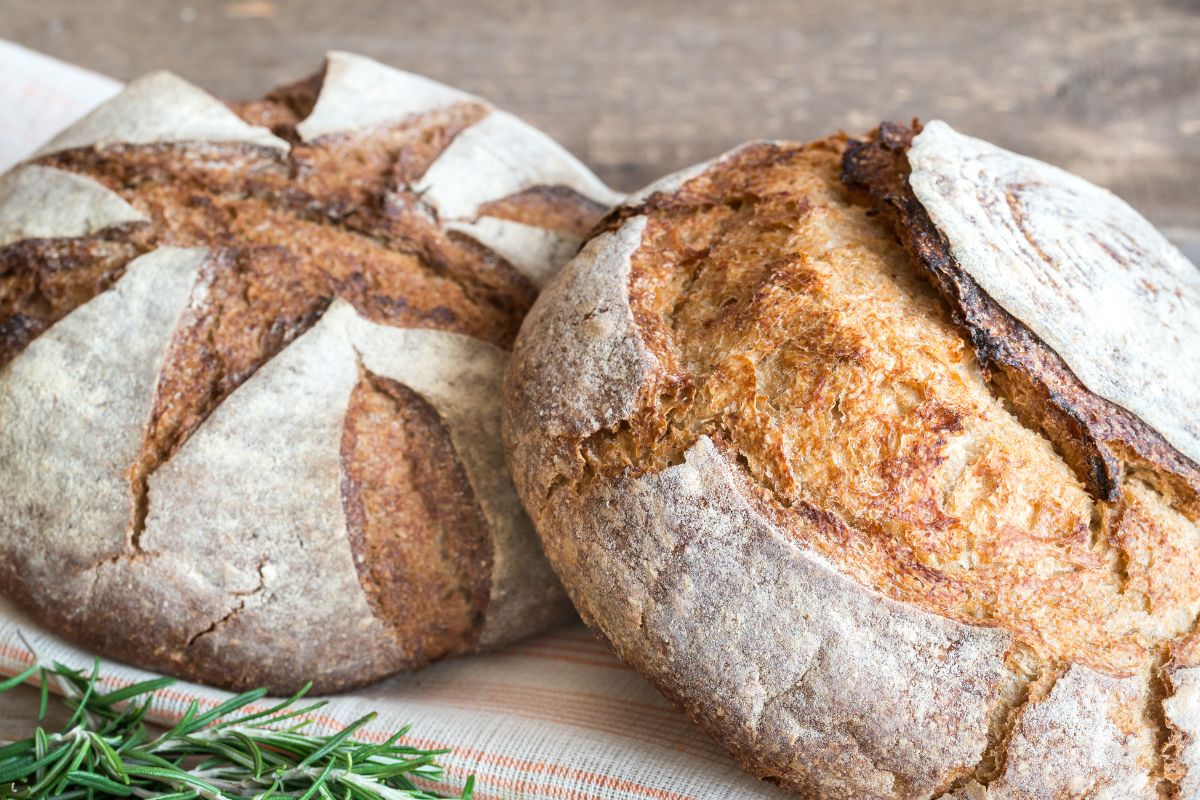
x=1109, y=89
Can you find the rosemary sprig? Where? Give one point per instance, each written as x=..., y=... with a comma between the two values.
x=106, y=751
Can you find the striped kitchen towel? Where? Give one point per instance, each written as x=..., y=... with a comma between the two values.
x=556, y=717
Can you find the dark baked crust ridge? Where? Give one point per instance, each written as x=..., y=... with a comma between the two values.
x=335, y=220
x=556, y=208
x=1104, y=443
x=419, y=539
x=1095, y=436
x=283, y=107
x=42, y=280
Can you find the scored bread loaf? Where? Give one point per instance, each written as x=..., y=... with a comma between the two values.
x=879, y=458
x=250, y=365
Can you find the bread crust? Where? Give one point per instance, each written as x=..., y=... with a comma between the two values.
x=1096, y=434
x=805, y=699
x=224, y=321
x=722, y=537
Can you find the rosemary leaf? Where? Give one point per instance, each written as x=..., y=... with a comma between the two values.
x=106, y=751
x=145, y=687
x=91, y=780
x=336, y=741
x=17, y=680
x=44, y=695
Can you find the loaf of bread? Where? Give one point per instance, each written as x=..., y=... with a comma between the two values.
x=250, y=367
x=879, y=458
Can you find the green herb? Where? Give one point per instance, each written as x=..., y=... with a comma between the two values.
x=106, y=751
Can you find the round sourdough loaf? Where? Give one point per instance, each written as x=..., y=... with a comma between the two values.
x=250, y=368
x=879, y=458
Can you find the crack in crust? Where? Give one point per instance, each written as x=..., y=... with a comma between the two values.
x=1099, y=439
x=237, y=608
x=1030, y=680
x=1168, y=769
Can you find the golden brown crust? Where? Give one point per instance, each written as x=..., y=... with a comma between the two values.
x=1096, y=437
x=766, y=312
x=419, y=538
x=41, y=280
x=283, y=107
x=804, y=353
x=290, y=233
x=555, y=208
x=338, y=208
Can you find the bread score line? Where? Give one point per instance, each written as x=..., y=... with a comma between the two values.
x=699, y=557
x=235, y=564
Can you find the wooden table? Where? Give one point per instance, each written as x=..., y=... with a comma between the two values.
x=1107, y=88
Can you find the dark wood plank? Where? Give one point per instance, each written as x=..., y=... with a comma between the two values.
x=18, y=714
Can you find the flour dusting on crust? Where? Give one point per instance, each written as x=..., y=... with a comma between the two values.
x=461, y=377
x=157, y=108
x=358, y=93
x=836, y=689
x=1086, y=739
x=74, y=403
x=1079, y=267
x=42, y=202
x=498, y=157
x=537, y=253
x=588, y=338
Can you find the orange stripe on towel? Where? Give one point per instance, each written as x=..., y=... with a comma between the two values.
x=526, y=765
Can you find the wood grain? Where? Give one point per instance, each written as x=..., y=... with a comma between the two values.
x=18, y=714
x=1106, y=88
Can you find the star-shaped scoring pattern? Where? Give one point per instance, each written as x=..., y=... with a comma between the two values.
x=260, y=473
